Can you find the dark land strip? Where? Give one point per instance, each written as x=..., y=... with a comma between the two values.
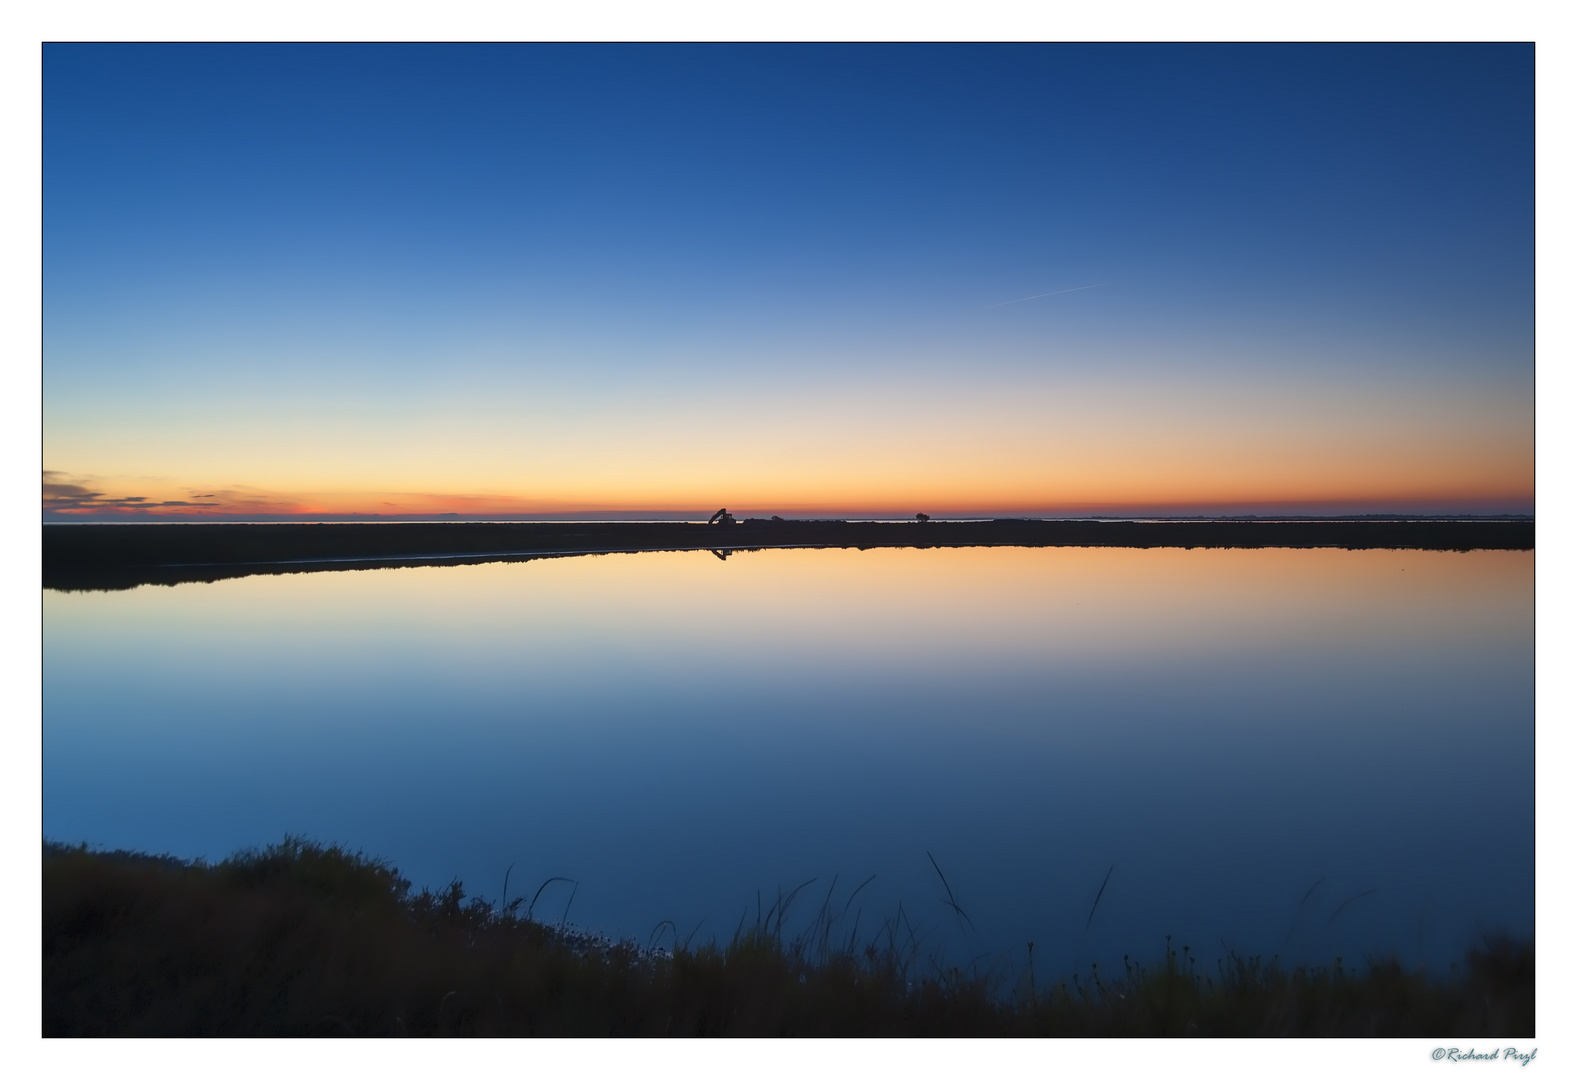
x=124, y=556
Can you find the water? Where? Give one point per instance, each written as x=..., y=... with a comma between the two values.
x=1219, y=729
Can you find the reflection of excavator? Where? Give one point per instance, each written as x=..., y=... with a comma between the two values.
x=722, y=517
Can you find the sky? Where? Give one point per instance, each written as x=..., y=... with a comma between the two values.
x=500, y=280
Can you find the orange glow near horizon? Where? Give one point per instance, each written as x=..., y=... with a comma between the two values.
x=989, y=446
x=181, y=504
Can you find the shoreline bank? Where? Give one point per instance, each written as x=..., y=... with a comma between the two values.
x=122, y=556
x=300, y=939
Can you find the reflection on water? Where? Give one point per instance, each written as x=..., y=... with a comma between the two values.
x=1223, y=729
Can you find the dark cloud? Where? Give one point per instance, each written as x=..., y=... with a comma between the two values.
x=68, y=497
x=61, y=496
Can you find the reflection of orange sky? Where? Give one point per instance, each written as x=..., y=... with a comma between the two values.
x=1117, y=592
x=886, y=602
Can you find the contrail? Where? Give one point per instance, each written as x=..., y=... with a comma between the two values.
x=1037, y=296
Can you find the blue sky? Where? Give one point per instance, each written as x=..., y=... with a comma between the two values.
x=329, y=278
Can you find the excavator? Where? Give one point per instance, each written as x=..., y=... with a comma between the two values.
x=722, y=517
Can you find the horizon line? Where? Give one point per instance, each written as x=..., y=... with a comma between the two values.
x=684, y=516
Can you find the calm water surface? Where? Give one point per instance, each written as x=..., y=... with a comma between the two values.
x=1221, y=730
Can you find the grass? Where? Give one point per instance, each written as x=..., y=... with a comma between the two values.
x=302, y=939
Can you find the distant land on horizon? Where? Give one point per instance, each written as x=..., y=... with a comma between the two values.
x=137, y=554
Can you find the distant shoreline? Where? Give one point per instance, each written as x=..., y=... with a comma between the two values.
x=122, y=556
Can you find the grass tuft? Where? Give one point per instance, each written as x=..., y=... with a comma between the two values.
x=302, y=939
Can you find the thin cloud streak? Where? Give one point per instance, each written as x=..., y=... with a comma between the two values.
x=1038, y=296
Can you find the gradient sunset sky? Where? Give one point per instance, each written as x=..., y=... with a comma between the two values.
x=514, y=280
